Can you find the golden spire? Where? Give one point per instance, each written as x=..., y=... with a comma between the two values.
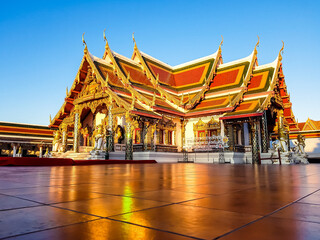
x=50, y=118
x=281, y=51
x=134, y=41
x=84, y=42
x=104, y=35
x=105, y=39
x=221, y=42
x=257, y=45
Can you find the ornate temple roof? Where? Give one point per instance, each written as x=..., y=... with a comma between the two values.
x=309, y=129
x=309, y=125
x=146, y=86
x=24, y=133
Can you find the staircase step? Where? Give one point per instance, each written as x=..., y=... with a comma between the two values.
x=73, y=155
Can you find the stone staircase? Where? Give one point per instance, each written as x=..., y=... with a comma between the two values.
x=85, y=149
x=77, y=156
x=84, y=154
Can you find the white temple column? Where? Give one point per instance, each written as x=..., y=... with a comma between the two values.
x=129, y=144
x=76, y=130
x=14, y=152
x=40, y=152
x=64, y=137
x=222, y=128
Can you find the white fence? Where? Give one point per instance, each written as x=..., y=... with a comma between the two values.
x=204, y=144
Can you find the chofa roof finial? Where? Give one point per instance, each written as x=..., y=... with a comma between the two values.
x=105, y=39
x=134, y=41
x=281, y=51
x=84, y=42
x=257, y=44
x=221, y=42
x=104, y=35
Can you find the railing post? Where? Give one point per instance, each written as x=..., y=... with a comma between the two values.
x=279, y=154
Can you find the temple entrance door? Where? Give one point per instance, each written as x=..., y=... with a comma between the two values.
x=87, y=119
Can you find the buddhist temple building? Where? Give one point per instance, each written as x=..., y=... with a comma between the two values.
x=311, y=131
x=141, y=107
x=18, y=139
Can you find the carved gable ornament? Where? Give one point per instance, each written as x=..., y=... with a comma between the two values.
x=211, y=125
x=200, y=125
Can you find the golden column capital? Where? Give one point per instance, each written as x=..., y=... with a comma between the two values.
x=64, y=127
x=76, y=108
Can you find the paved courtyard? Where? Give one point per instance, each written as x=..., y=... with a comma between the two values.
x=160, y=201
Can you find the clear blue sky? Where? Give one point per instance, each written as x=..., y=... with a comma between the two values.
x=41, y=47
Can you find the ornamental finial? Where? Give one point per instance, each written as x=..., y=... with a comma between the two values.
x=257, y=44
x=281, y=50
x=133, y=38
x=105, y=39
x=50, y=118
x=221, y=42
x=67, y=92
x=134, y=41
x=84, y=42
x=104, y=35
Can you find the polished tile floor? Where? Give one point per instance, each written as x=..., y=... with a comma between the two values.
x=160, y=201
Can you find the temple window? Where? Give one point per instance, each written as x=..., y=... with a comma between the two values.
x=161, y=136
x=170, y=137
x=201, y=134
x=165, y=131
